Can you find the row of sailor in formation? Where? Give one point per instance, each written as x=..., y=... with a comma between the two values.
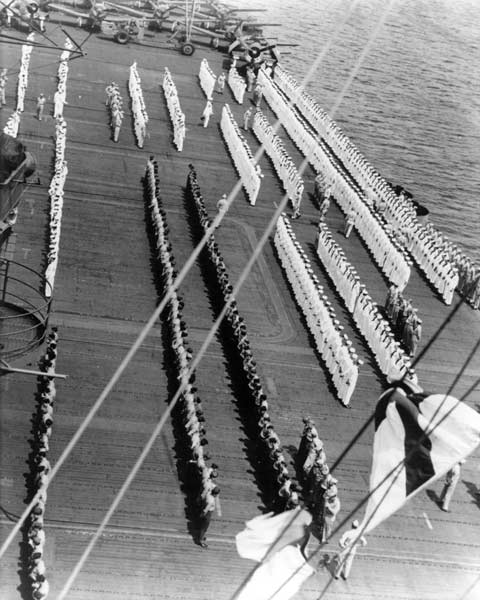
x=237, y=84
x=256, y=405
x=140, y=116
x=386, y=251
x=22, y=82
x=13, y=121
x=404, y=320
x=55, y=192
x=442, y=265
x=177, y=117
x=282, y=161
x=362, y=172
x=375, y=187
x=442, y=275
x=427, y=248
x=206, y=78
x=425, y=243
x=60, y=96
x=41, y=470
x=249, y=171
x=385, y=248
x=60, y=172
x=391, y=358
x=333, y=345
x=114, y=102
x=469, y=280
x=190, y=412
x=440, y=259
x=320, y=489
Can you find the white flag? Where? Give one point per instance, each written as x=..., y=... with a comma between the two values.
x=418, y=438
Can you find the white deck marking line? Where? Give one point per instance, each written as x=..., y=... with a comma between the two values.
x=429, y=525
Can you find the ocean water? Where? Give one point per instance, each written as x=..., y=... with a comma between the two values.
x=413, y=109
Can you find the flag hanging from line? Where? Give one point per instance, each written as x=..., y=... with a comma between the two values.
x=275, y=541
x=418, y=438
x=279, y=578
x=269, y=533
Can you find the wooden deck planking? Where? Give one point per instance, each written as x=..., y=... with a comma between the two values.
x=104, y=291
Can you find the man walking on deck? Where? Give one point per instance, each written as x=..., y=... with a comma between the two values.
x=221, y=83
x=246, y=118
x=40, y=106
x=209, y=503
x=324, y=208
x=3, y=83
x=349, y=222
x=222, y=205
x=451, y=480
x=392, y=297
x=257, y=95
x=331, y=508
x=207, y=112
x=348, y=542
x=250, y=79
x=415, y=335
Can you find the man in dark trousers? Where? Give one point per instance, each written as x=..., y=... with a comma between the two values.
x=257, y=95
x=208, y=503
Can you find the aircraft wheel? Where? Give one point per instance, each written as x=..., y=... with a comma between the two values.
x=188, y=49
x=121, y=37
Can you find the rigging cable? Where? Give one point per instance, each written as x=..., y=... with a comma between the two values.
x=199, y=357
x=421, y=354
x=156, y=314
x=470, y=588
x=36, y=29
x=365, y=427
x=396, y=470
x=132, y=474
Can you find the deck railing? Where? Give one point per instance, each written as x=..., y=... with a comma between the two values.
x=24, y=308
